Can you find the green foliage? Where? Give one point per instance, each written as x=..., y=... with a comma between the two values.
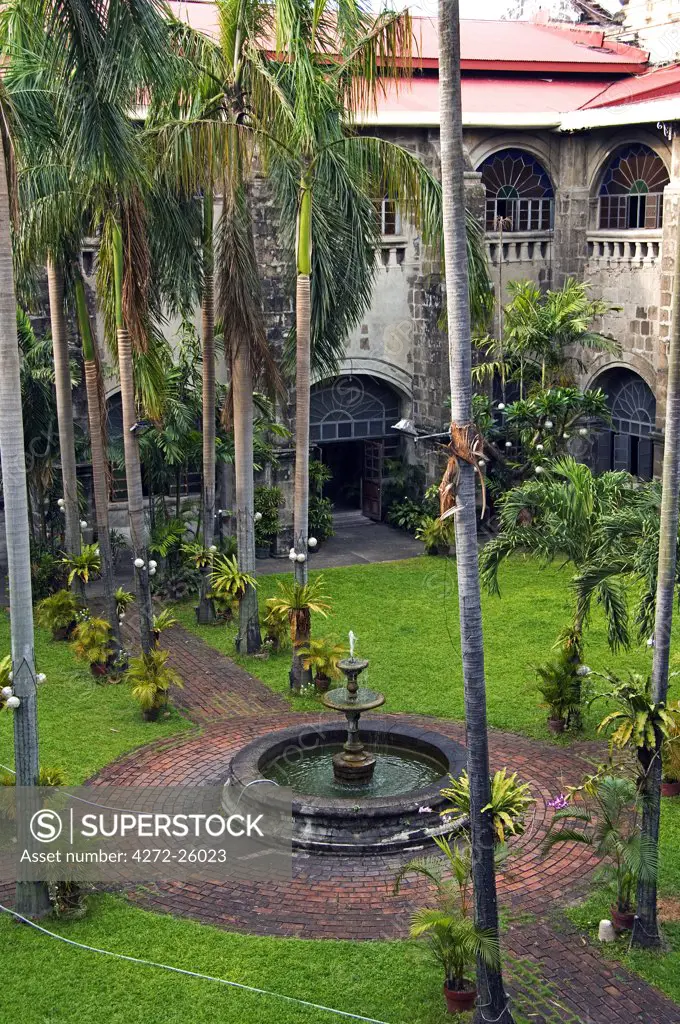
x=85, y=565
x=92, y=640
x=560, y=686
x=436, y=535
x=452, y=939
x=407, y=514
x=607, y=819
x=150, y=678
x=48, y=574
x=198, y=555
x=319, y=475
x=227, y=581
x=322, y=657
x=638, y=720
x=320, y=518
x=671, y=751
x=297, y=601
x=510, y=801
x=268, y=501
x=167, y=537
x=563, y=514
x=58, y=611
x=164, y=620
x=123, y=599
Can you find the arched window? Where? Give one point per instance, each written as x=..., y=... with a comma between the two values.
x=519, y=195
x=631, y=193
x=627, y=444
x=352, y=408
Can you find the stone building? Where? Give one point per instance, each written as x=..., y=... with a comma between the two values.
x=571, y=144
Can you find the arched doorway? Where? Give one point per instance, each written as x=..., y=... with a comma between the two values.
x=627, y=444
x=351, y=422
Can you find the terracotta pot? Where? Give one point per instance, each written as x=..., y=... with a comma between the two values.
x=98, y=668
x=670, y=788
x=460, y=1001
x=151, y=714
x=623, y=921
x=556, y=725
x=322, y=683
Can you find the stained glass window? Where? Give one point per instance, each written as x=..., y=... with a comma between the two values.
x=631, y=193
x=352, y=408
x=519, y=194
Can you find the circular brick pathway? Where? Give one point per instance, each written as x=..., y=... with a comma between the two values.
x=351, y=897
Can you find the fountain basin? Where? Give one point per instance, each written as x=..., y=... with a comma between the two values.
x=352, y=820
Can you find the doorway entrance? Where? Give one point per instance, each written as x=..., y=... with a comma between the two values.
x=351, y=422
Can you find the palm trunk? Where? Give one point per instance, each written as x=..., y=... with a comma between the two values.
x=31, y=897
x=133, y=469
x=493, y=1000
x=206, y=608
x=62, y=379
x=646, y=928
x=302, y=380
x=249, y=638
x=100, y=484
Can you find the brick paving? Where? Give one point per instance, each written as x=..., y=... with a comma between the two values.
x=555, y=975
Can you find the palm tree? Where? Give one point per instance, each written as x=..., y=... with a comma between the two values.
x=93, y=388
x=62, y=375
x=462, y=466
x=646, y=928
x=563, y=513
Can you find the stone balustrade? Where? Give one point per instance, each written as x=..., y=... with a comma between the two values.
x=519, y=247
x=637, y=248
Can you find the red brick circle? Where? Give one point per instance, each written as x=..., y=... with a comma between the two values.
x=351, y=897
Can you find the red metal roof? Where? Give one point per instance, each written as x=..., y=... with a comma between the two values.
x=660, y=83
x=491, y=45
x=485, y=95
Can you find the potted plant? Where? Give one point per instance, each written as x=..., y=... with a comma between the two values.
x=561, y=688
x=151, y=678
x=162, y=622
x=92, y=643
x=59, y=612
x=228, y=583
x=452, y=938
x=267, y=503
x=510, y=801
x=84, y=566
x=607, y=820
x=297, y=602
x=437, y=536
x=277, y=626
x=322, y=657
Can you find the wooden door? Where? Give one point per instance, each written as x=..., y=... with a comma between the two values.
x=371, y=485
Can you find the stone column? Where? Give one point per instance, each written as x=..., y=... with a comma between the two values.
x=572, y=212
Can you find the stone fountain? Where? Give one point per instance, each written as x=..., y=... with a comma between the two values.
x=353, y=765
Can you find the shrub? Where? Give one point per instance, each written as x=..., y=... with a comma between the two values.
x=92, y=641
x=561, y=687
x=48, y=574
x=84, y=566
x=406, y=514
x=151, y=678
x=510, y=801
x=437, y=536
x=268, y=501
x=58, y=612
x=321, y=518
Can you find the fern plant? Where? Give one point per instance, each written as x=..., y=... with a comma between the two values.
x=123, y=599
x=437, y=536
x=227, y=581
x=322, y=658
x=92, y=642
x=510, y=801
x=638, y=721
x=164, y=620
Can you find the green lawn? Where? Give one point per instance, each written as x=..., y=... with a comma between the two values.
x=45, y=981
x=406, y=617
x=662, y=971
x=82, y=725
